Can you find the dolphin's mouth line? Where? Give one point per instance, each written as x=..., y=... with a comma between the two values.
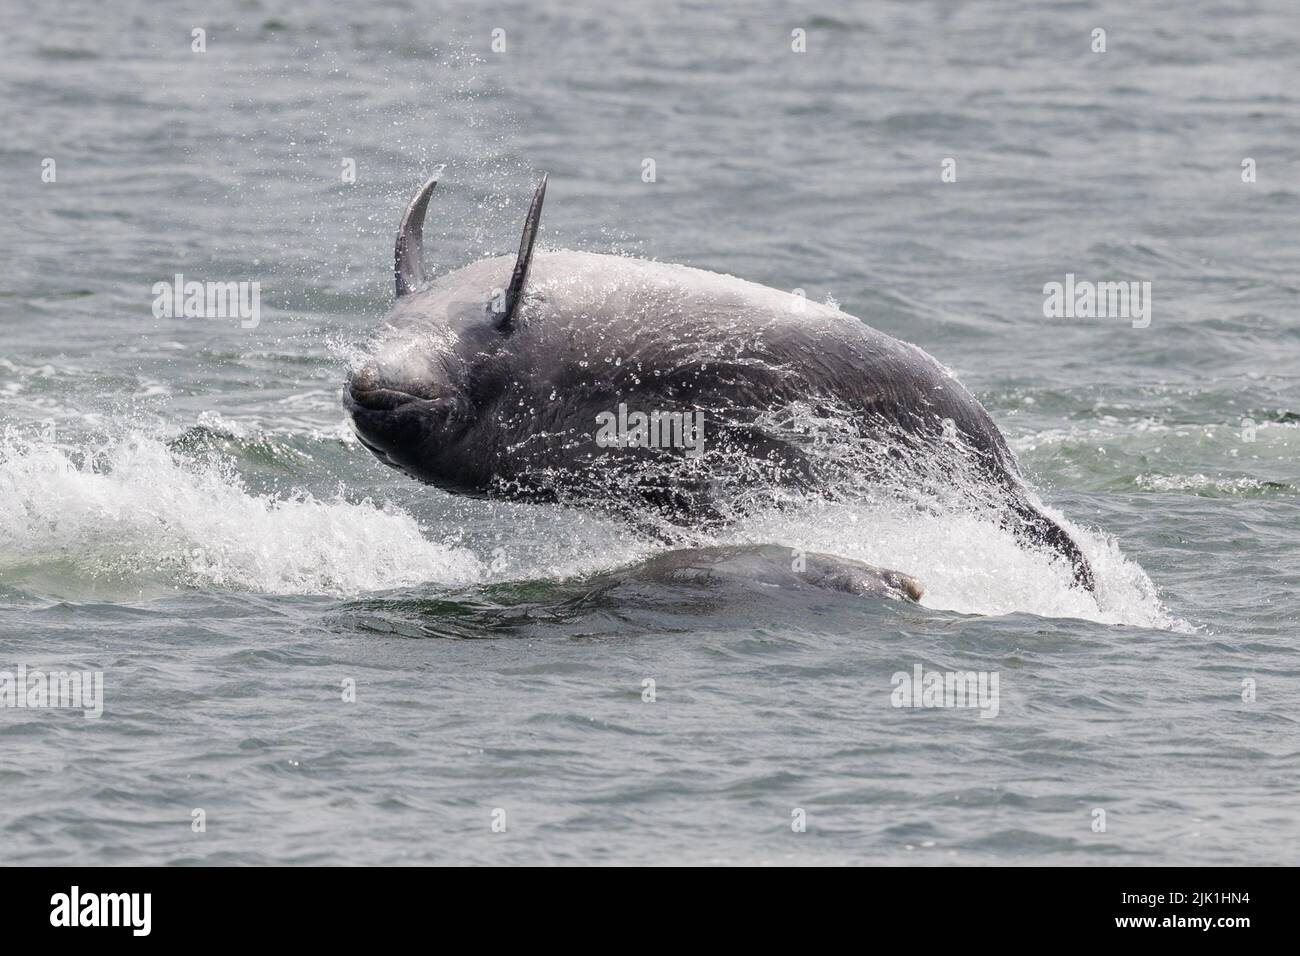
x=382, y=399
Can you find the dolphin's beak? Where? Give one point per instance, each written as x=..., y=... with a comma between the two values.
x=364, y=390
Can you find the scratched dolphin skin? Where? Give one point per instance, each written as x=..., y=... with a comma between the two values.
x=491, y=380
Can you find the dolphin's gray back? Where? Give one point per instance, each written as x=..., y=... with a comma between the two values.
x=595, y=331
x=600, y=329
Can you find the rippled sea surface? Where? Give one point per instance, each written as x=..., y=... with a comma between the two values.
x=183, y=506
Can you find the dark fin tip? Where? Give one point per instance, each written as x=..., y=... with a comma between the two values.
x=525, y=258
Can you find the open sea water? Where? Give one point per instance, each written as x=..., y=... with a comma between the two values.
x=338, y=665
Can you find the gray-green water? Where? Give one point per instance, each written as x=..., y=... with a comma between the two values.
x=183, y=508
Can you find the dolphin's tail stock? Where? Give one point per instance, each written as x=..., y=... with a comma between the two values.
x=1033, y=527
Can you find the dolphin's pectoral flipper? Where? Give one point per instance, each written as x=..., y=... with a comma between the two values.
x=524, y=259
x=408, y=255
x=856, y=577
x=1031, y=525
x=774, y=565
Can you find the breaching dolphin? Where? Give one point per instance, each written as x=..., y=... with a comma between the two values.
x=662, y=389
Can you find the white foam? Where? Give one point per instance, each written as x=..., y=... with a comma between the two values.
x=1199, y=483
x=138, y=515
x=138, y=512
x=969, y=564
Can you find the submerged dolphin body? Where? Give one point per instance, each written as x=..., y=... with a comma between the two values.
x=661, y=388
x=770, y=565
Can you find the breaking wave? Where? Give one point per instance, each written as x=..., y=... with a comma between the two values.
x=137, y=511
x=136, y=516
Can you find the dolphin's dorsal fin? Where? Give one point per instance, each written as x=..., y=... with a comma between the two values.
x=524, y=260
x=408, y=255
